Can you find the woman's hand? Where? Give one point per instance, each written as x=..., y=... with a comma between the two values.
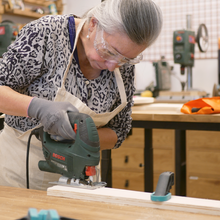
x=53, y=116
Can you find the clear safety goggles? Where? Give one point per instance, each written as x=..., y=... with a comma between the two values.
x=107, y=52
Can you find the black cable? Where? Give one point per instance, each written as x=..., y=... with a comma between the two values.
x=27, y=160
x=36, y=133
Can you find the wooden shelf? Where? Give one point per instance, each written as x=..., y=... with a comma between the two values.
x=23, y=13
x=27, y=12
x=39, y=3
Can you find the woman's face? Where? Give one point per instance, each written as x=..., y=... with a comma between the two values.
x=105, y=51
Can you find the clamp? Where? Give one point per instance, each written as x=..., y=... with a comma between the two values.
x=164, y=184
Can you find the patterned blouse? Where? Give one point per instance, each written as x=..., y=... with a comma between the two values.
x=36, y=61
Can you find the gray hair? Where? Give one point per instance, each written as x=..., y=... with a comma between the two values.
x=141, y=20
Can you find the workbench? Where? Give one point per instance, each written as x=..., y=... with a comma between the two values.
x=168, y=116
x=15, y=202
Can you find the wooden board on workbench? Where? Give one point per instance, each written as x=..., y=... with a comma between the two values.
x=139, y=199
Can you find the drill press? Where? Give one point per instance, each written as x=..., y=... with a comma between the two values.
x=184, y=47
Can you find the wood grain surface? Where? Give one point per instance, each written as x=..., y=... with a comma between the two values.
x=169, y=112
x=15, y=202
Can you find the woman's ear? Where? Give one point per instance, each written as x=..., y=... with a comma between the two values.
x=93, y=22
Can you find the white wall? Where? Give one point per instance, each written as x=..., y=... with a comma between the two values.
x=78, y=7
x=204, y=75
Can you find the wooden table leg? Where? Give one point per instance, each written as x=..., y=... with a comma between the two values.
x=106, y=167
x=148, y=161
x=180, y=162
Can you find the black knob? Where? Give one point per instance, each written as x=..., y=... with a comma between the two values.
x=126, y=159
x=126, y=183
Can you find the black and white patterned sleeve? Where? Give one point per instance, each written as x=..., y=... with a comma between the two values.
x=25, y=60
x=121, y=123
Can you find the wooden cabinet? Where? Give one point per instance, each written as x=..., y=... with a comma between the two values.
x=203, y=164
x=202, y=161
x=128, y=160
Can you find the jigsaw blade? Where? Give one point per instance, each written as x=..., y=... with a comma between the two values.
x=65, y=181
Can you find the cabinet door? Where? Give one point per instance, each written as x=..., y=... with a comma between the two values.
x=201, y=187
x=203, y=164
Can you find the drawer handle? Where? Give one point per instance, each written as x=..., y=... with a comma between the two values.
x=141, y=165
x=126, y=183
x=126, y=159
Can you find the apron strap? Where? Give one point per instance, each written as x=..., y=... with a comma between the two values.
x=71, y=56
x=72, y=35
x=121, y=87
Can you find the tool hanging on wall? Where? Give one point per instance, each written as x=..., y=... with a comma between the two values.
x=8, y=33
x=184, y=47
x=163, y=75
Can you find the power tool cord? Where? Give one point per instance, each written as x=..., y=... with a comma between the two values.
x=36, y=133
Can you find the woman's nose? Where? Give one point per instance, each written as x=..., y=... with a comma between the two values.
x=111, y=65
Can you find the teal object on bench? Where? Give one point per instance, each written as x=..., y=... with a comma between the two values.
x=43, y=214
x=160, y=198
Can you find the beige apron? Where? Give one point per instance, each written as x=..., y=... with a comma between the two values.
x=13, y=143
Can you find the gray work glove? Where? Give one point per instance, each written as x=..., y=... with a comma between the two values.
x=53, y=116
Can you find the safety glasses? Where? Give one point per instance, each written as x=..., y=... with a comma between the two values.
x=107, y=52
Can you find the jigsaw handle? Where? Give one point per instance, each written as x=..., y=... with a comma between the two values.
x=85, y=127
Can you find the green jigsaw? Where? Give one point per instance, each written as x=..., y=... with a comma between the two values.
x=74, y=160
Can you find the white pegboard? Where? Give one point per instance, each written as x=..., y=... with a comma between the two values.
x=174, y=15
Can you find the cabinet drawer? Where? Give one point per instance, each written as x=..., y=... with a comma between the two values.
x=131, y=159
x=204, y=162
x=203, y=139
x=128, y=180
x=208, y=188
x=163, y=160
x=136, y=139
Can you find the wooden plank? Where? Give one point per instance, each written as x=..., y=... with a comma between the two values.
x=139, y=199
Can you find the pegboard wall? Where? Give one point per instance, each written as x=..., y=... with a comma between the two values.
x=174, y=15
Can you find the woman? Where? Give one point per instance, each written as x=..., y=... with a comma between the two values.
x=61, y=63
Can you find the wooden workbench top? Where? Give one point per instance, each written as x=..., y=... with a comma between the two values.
x=15, y=202
x=169, y=112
